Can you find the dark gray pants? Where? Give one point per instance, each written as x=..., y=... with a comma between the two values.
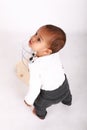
x=48, y=98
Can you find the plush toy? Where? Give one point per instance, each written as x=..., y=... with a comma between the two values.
x=22, y=69
x=22, y=72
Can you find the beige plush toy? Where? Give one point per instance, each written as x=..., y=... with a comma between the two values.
x=22, y=69
x=22, y=72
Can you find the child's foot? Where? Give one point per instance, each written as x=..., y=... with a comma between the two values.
x=34, y=112
x=66, y=103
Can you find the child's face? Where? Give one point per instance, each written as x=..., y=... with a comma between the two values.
x=39, y=42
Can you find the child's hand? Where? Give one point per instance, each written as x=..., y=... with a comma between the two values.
x=27, y=104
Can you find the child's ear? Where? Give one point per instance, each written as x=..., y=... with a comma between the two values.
x=47, y=51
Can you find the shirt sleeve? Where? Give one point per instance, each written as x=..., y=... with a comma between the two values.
x=34, y=84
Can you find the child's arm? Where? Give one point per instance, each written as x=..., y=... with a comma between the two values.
x=34, y=84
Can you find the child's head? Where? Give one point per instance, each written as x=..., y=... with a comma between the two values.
x=47, y=40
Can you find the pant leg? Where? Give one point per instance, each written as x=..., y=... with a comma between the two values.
x=48, y=98
x=68, y=99
x=40, y=106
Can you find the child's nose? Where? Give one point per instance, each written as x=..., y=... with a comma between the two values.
x=33, y=39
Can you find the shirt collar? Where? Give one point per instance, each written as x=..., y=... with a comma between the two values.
x=32, y=56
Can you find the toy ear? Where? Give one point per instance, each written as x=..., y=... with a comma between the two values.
x=22, y=72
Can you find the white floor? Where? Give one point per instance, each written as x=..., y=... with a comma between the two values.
x=15, y=115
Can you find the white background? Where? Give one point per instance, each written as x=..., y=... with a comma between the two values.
x=20, y=15
x=18, y=20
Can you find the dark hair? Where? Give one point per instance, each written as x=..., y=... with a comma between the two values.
x=57, y=38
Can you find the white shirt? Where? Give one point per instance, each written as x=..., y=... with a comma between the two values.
x=46, y=73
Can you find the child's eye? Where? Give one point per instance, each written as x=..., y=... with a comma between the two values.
x=38, y=39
